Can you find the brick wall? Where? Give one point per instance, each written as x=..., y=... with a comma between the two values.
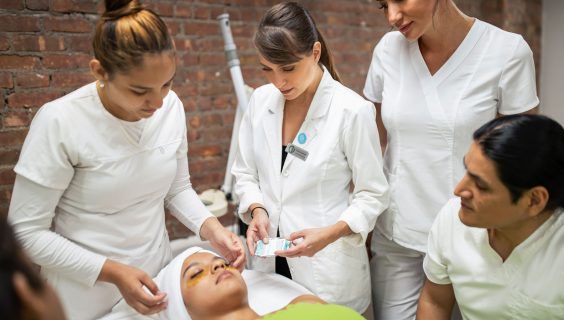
x=45, y=50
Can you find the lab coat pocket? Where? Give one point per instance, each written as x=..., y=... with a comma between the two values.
x=523, y=307
x=342, y=275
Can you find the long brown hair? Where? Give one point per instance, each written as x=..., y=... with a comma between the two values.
x=125, y=33
x=287, y=32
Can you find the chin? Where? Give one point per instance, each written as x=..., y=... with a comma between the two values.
x=467, y=218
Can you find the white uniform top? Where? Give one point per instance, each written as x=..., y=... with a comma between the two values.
x=430, y=119
x=342, y=141
x=528, y=285
x=102, y=190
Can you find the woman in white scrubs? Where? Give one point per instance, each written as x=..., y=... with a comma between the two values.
x=497, y=248
x=98, y=167
x=304, y=138
x=434, y=81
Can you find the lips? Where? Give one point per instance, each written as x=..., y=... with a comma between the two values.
x=285, y=91
x=223, y=275
x=405, y=27
x=465, y=205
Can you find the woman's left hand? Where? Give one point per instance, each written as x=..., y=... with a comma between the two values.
x=230, y=246
x=313, y=241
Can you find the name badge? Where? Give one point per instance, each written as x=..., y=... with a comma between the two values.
x=297, y=151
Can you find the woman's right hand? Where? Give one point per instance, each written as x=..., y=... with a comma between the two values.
x=130, y=282
x=258, y=229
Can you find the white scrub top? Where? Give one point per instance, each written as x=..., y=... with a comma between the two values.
x=104, y=192
x=343, y=146
x=527, y=286
x=430, y=118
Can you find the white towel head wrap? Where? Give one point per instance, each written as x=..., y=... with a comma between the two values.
x=168, y=281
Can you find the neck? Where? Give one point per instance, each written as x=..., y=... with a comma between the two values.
x=505, y=240
x=243, y=313
x=450, y=27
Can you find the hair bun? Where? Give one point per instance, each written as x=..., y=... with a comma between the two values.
x=116, y=9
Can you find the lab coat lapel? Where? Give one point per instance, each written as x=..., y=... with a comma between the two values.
x=318, y=108
x=272, y=126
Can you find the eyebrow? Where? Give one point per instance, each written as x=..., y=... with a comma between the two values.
x=281, y=66
x=145, y=88
x=473, y=175
x=195, y=263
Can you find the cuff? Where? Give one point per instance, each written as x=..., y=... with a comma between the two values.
x=358, y=225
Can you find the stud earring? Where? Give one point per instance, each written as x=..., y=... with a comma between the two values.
x=101, y=84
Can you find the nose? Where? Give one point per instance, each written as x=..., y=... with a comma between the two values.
x=217, y=266
x=461, y=190
x=155, y=100
x=394, y=14
x=279, y=80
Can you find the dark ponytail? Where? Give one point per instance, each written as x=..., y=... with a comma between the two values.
x=126, y=32
x=528, y=151
x=287, y=32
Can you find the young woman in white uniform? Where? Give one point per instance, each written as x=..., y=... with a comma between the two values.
x=98, y=167
x=435, y=81
x=304, y=196
x=497, y=248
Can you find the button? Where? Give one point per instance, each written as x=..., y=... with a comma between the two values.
x=285, y=173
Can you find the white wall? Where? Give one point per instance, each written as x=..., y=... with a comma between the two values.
x=552, y=60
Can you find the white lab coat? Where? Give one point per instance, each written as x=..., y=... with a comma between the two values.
x=343, y=146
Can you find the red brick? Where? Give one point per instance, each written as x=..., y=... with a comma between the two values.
x=183, y=10
x=31, y=99
x=18, y=119
x=79, y=43
x=201, y=29
x=204, y=151
x=32, y=80
x=38, y=43
x=202, y=13
x=162, y=9
x=12, y=4
x=88, y=6
x=8, y=157
x=6, y=80
x=18, y=62
x=73, y=24
x=19, y=23
x=4, y=43
x=66, y=61
x=13, y=138
x=71, y=80
x=7, y=176
x=195, y=122
x=37, y=4
x=212, y=120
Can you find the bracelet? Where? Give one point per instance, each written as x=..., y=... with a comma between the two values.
x=259, y=207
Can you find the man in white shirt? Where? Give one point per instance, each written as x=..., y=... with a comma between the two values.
x=497, y=249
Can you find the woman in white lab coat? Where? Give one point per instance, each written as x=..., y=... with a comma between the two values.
x=329, y=133
x=434, y=81
x=98, y=167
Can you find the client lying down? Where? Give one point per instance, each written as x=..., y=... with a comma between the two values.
x=200, y=285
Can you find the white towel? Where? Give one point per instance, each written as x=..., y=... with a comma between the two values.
x=168, y=281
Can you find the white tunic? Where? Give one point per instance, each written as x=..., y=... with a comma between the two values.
x=343, y=146
x=528, y=285
x=83, y=172
x=430, y=118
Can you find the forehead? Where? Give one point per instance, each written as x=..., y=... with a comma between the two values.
x=477, y=162
x=199, y=257
x=153, y=69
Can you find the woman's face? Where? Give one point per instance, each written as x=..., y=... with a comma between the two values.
x=138, y=93
x=412, y=18
x=485, y=200
x=295, y=78
x=209, y=285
